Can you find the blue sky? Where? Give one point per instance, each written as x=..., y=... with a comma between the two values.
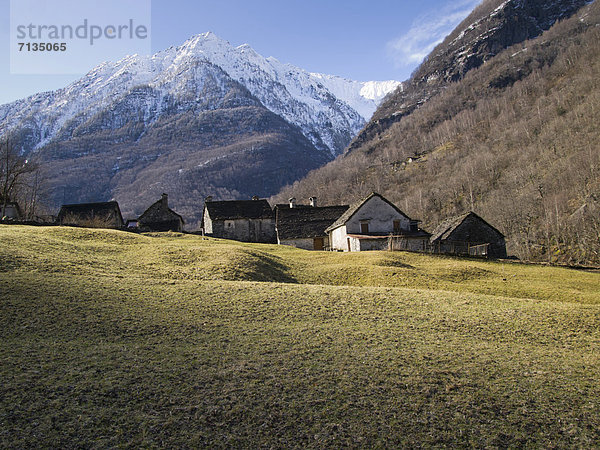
x=378, y=40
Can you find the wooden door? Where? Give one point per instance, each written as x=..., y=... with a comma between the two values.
x=319, y=243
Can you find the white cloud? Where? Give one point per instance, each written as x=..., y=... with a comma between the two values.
x=427, y=31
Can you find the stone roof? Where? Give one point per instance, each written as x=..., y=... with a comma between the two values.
x=356, y=206
x=306, y=221
x=239, y=209
x=88, y=211
x=445, y=228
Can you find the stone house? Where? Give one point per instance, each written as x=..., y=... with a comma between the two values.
x=303, y=226
x=159, y=217
x=468, y=234
x=374, y=223
x=240, y=220
x=93, y=215
x=10, y=210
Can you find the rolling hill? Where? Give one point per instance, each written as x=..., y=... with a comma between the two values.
x=114, y=339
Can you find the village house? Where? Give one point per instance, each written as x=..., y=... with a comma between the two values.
x=240, y=220
x=468, y=234
x=303, y=226
x=93, y=215
x=374, y=223
x=159, y=217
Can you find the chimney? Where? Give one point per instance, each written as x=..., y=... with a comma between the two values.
x=255, y=197
x=292, y=202
x=208, y=199
x=313, y=201
x=164, y=200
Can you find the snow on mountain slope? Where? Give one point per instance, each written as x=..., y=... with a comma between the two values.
x=325, y=117
x=329, y=110
x=363, y=96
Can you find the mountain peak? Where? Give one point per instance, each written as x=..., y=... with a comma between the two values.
x=208, y=36
x=329, y=112
x=203, y=42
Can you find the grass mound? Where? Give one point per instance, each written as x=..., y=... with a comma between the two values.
x=174, y=256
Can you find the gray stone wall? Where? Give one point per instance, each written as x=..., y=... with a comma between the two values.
x=304, y=243
x=380, y=216
x=245, y=230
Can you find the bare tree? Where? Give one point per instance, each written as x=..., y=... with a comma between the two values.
x=14, y=168
x=33, y=193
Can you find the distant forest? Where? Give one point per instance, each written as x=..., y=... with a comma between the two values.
x=516, y=140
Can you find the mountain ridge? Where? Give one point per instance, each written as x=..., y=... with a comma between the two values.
x=280, y=122
x=300, y=97
x=493, y=26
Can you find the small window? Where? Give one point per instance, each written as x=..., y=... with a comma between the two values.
x=396, y=226
x=229, y=224
x=364, y=227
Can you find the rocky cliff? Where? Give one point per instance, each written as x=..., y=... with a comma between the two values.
x=492, y=27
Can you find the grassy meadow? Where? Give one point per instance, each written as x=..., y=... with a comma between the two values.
x=111, y=339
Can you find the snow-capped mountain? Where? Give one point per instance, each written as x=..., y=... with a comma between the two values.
x=363, y=96
x=204, y=118
x=329, y=110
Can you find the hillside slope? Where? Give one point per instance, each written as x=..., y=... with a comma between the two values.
x=111, y=339
x=492, y=27
x=516, y=140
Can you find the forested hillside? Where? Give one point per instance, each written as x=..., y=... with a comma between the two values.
x=515, y=140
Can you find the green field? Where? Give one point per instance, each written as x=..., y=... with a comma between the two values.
x=110, y=339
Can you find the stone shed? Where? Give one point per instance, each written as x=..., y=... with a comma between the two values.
x=10, y=210
x=159, y=217
x=240, y=220
x=468, y=234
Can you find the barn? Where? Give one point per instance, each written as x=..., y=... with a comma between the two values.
x=159, y=217
x=468, y=234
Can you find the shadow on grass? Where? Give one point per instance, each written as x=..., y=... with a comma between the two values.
x=260, y=266
x=394, y=263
